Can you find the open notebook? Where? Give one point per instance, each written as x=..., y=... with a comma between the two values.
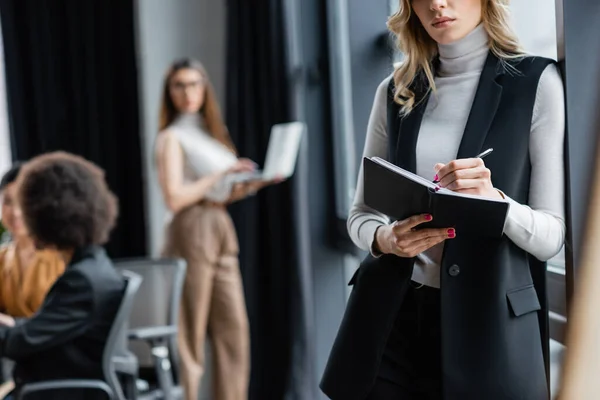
x=400, y=194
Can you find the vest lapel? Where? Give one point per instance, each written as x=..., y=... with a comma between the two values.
x=483, y=110
x=406, y=146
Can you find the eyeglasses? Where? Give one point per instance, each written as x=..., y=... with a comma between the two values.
x=182, y=86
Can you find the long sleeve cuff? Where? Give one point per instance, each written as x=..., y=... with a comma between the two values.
x=3, y=332
x=367, y=231
x=537, y=232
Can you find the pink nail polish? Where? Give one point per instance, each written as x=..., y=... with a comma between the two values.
x=451, y=235
x=451, y=231
x=436, y=178
x=428, y=217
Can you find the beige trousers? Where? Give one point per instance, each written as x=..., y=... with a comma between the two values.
x=212, y=302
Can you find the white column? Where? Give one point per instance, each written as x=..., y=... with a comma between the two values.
x=5, y=152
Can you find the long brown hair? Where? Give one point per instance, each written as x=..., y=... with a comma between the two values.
x=210, y=110
x=420, y=50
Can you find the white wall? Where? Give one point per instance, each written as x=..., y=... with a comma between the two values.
x=5, y=153
x=535, y=23
x=168, y=30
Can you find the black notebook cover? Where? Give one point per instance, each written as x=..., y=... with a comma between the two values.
x=400, y=194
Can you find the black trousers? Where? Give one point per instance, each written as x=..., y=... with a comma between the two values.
x=411, y=364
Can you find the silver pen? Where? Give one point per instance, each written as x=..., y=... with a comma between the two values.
x=485, y=153
x=480, y=155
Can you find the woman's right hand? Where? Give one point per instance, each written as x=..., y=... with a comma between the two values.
x=242, y=165
x=6, y=320
x=401, y=239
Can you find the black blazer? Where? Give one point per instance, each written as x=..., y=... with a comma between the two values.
x=65, y=339
x=494, y=312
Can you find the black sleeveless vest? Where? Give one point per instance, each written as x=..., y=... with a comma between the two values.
x=493, y=294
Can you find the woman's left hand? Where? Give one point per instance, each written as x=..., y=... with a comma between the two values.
x=245, y=189
x=255, y=186
x=7, y=320
x=467, y=175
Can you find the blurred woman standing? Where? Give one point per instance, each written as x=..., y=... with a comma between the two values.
x=197, y=163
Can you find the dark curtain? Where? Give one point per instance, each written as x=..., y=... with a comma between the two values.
x=72, y=85
x=272, y=225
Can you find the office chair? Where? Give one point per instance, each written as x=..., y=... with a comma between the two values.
x=153, y=324
x=110, y=385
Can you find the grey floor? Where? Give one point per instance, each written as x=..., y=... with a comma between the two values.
x=206, y=385
x=557, y=351
x=556, y=356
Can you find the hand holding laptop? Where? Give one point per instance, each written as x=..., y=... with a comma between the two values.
x=241, y=166
x=243, y=189
x=7, y=320
x=258, y=184
x=282, y=152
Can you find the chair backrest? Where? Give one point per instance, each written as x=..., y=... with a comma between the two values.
x=118, y=330
x=157, y=301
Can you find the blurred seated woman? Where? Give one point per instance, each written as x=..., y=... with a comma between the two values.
x=26, y=274
x=67, y=207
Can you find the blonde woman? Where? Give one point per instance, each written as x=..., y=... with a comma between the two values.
x=434, y=313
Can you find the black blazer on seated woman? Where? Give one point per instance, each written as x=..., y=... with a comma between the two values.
x=66, y=338
x=494, y=316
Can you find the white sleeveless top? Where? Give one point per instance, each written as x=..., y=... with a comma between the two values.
x=204, y=155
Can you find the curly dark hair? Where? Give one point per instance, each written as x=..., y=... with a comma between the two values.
x=66, y=202
x=11, y=175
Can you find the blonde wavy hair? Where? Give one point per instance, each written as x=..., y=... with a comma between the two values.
x=420, y=50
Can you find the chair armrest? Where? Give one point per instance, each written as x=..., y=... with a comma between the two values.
x=6, y=368
x=152, y=332
x=65, y=384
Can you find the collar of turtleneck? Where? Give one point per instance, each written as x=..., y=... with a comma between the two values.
x=465, y=55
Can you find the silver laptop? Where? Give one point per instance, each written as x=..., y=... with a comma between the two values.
x=282, y=153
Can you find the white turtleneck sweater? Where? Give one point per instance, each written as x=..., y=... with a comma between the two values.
x=204, y=155
x=538, y=227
